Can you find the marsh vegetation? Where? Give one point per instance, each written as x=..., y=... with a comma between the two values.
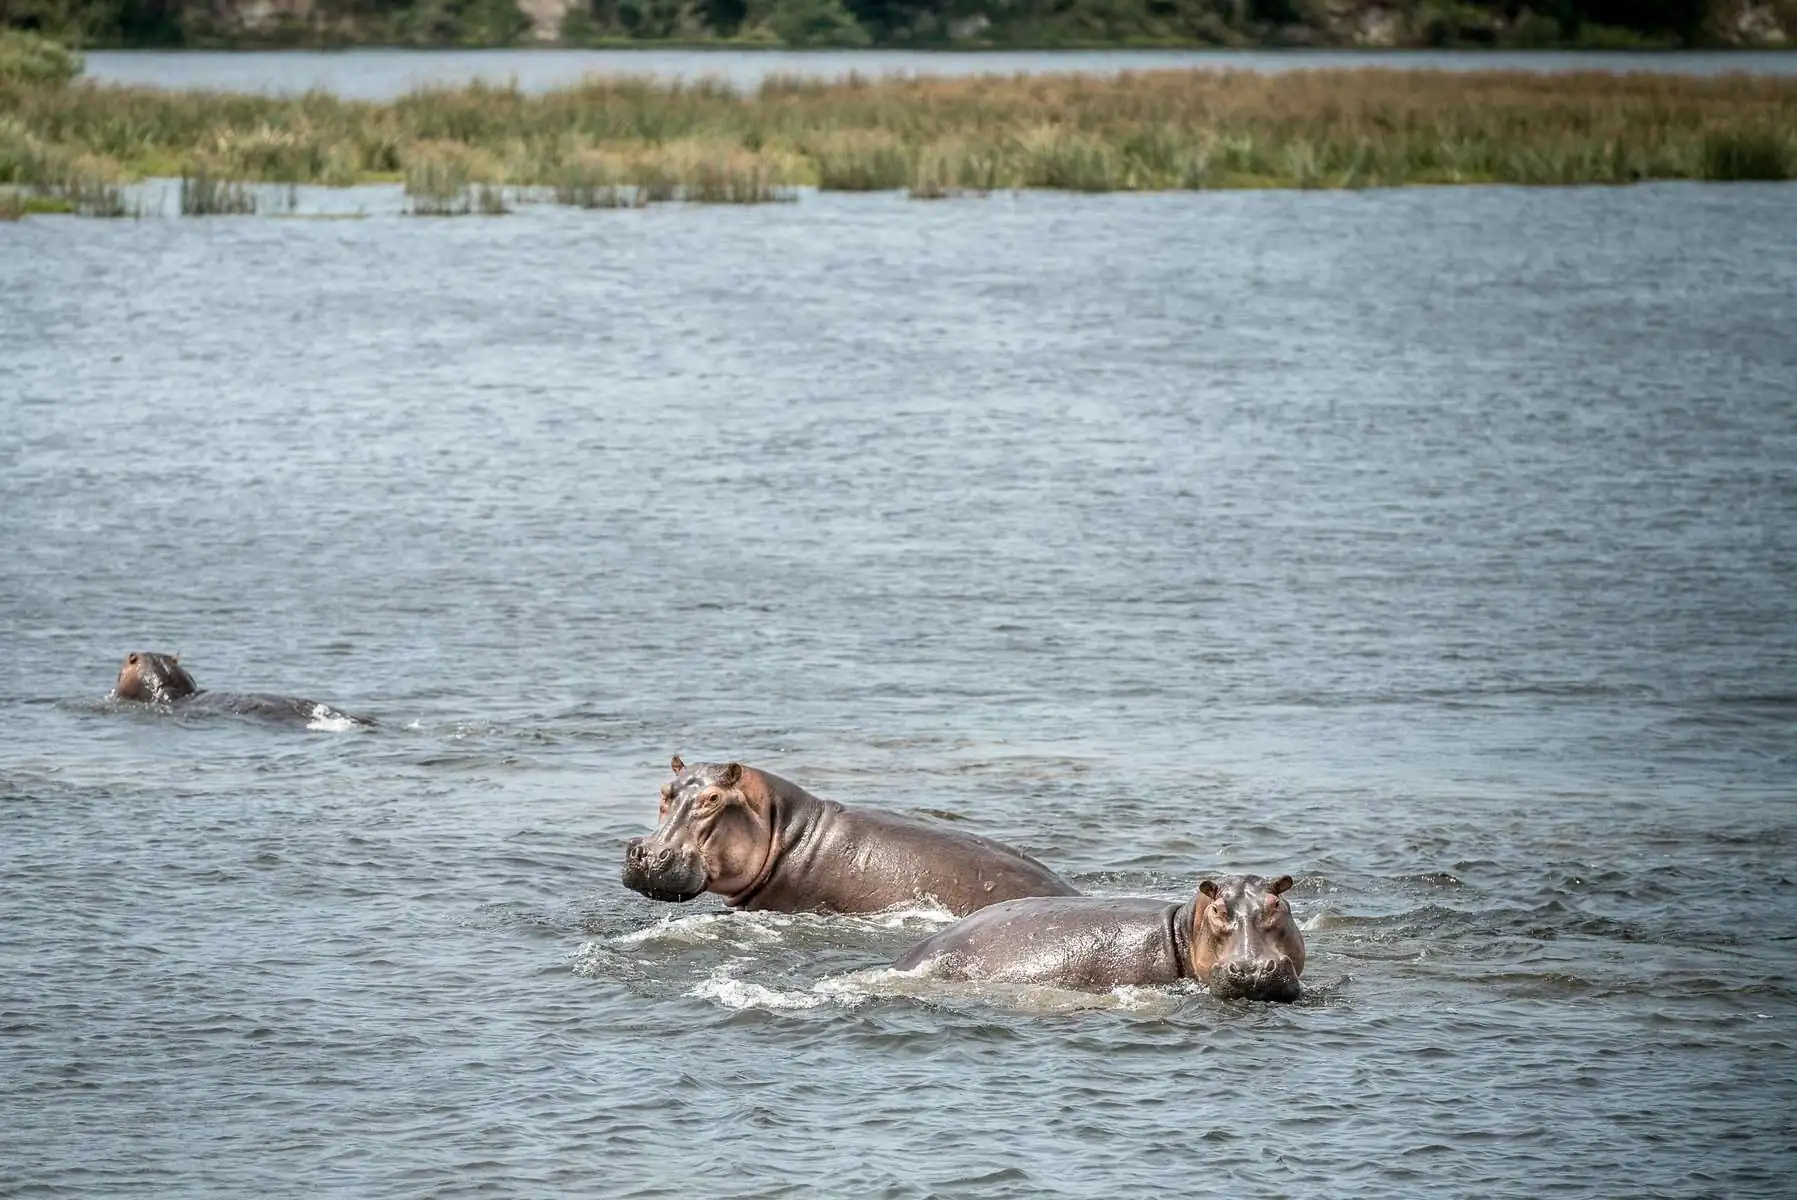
x=626, y=142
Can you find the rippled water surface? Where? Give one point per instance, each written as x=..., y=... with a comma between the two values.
x=381, y=74
x=1438, y=547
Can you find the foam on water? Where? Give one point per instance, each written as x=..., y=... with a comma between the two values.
x=722, y=987
x=590, y=960
x=326, y=719
x=773, y=928
x=698, y=929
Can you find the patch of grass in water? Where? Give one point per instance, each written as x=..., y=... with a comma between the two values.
x=595, y=180
x=85, y=195
x=736, y=179
x=1754, y=154
x=205, y=195
x=448, y=180
x=873, y=160
x=949, y=168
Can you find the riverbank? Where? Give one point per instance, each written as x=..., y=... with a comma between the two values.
x=629, y=141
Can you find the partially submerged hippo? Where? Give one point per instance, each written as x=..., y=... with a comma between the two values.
x=161, y=679
x=762, y=842
x=1236, y=935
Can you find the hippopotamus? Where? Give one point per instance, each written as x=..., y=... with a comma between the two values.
x=762, y=842
x=1235, y=935
x=160, y=679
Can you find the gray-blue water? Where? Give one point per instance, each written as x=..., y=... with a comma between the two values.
x=1438, y=547
x=381, y=74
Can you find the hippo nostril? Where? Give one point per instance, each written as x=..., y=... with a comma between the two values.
x=634, y=852
x=662, y=859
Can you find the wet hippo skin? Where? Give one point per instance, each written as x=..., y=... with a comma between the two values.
x=160, y=679
x=763, y=842
x=1235, y=935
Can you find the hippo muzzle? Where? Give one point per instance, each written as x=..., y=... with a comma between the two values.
x=1274, y=979
x=663, y=873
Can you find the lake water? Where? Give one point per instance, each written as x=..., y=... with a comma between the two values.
x=381, y=74
x=1437, y=546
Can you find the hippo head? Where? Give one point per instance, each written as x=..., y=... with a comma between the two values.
x=156, y=678
x=1245, y=944
x=716, y=835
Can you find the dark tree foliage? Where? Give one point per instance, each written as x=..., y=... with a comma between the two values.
x=1685, y=18
x=887, y=22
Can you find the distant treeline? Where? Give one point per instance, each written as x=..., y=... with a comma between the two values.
x=921, y=23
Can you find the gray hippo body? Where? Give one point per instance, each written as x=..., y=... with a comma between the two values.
x=1088, y=942
x=160, y=679
x=763, y=842
x=1238, y=937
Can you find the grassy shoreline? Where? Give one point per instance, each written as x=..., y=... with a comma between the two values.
x=615, y=141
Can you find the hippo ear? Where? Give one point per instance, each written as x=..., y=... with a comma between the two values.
x=733, y=773
x=1208, y=890
x=678, y=765
x=175, y=658
x=1280, y=886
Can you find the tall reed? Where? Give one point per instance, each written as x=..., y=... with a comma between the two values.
x=1135, y=131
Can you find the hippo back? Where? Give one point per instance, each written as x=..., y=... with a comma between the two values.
x=866, y=860
x=1092, y=943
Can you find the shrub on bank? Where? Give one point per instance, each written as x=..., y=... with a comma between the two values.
x=29, y=60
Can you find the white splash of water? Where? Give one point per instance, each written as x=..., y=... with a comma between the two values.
x=328, y=720
x=740, y=994
x=595, y=961
x=771, y=928
x=1031, y=999
x=929, y=912
x=699, y=929
x=723, y=988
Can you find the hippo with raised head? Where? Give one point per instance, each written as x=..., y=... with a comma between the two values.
x=160, y=679
x=762, y=842
x=1236, y=935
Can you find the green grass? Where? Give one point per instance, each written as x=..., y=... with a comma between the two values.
x=623, y=142
x=28, y=59
x=1748, y=154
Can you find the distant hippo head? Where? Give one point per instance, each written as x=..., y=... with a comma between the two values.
x=1245, y=944
x=716, y=835
x=157, y=678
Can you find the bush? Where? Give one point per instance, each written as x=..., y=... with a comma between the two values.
x=815, y=23
x=29, y=59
